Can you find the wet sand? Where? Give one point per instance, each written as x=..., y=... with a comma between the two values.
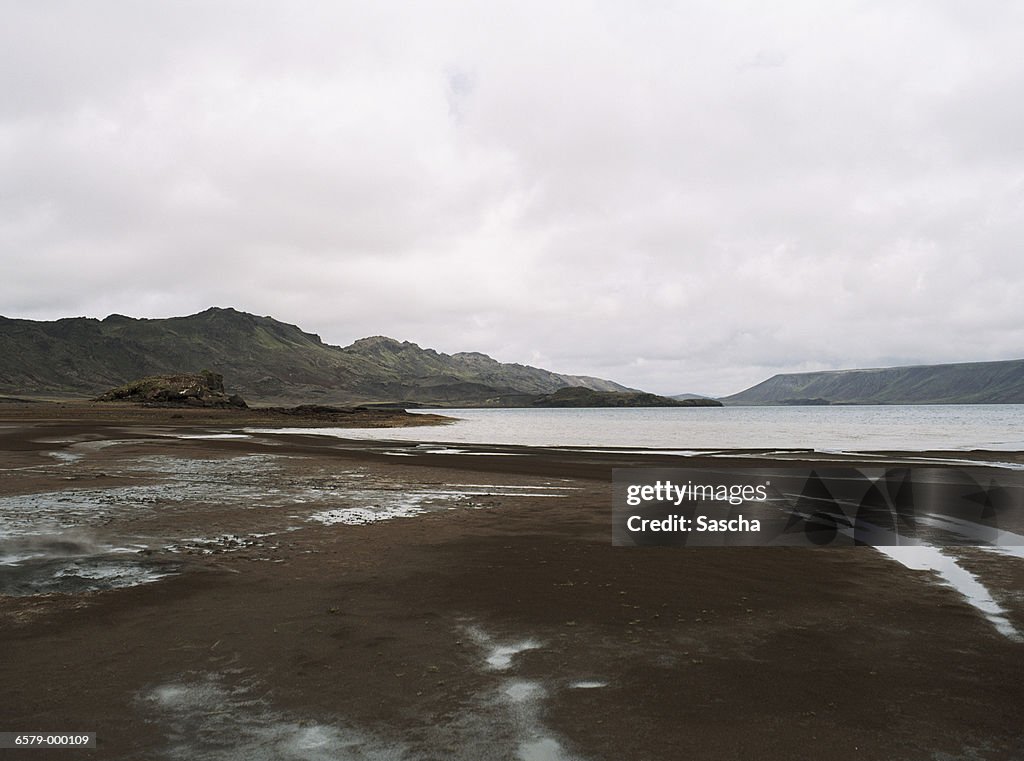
x=493, y=621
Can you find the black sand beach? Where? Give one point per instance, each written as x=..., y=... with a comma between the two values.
x=490, y=619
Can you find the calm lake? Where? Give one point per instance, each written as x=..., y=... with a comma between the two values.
x=860, y=428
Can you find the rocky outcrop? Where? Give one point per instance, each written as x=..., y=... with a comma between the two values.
x=205, y=389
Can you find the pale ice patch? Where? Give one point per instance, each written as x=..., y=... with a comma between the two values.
x=587, y=685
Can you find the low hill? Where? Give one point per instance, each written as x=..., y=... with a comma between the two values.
x=269, y=362
x=585, y=397
x=962, y=383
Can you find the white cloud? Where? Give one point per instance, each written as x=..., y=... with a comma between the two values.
x=680, y=196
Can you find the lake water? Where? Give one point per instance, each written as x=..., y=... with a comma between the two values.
x=860, y=428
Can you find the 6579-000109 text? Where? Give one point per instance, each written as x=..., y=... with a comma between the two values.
x=26, y=740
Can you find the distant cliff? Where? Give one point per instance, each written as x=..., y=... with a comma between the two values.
x=267, y=361
x=963, y=383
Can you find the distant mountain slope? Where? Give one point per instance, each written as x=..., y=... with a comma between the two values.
x=262, y=359
x=963, y=383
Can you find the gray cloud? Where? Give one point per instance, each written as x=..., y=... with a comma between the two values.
x=679, y=196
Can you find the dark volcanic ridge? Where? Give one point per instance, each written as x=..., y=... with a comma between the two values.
x=268, y=362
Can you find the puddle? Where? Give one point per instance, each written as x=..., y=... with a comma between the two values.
x=518, y=692
x=495, y=454
x=68, y=457
x=218, y=544
x=205, y=719
x=383, y=503
x=15, y=549
x=987, y=538
x=212, y=436
x=73, y=563
x=433, y=449
x=585, y=685
x=96, y=573
x=925, y=558
x=512, y=488
x=499, y=656
x=104, y=443
x=246, y=480
x=523, y=712
x=964, y=461
x=544, y=749
x=356, y=516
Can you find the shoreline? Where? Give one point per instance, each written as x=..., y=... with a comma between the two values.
x=465, y=629
x=86, y=412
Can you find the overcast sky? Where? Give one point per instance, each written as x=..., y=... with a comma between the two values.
x=680, y=196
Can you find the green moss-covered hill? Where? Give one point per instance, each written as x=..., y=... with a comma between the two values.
x=267, y=361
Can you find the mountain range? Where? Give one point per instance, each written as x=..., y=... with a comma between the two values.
x=271, y=362
x=961, y=383
x=262, y=359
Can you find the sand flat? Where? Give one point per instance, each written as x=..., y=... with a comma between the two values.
x=314, y=640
